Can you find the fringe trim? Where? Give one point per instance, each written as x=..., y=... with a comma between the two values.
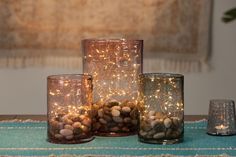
x=154, y=64
x=196, y=121
x=175, y=65
x=43, y=121
x=163, y=155
x=40, y=61
x=22, y=121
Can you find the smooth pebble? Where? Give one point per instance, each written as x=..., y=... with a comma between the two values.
x=167, y=122
x=142, y=133
x=115, y=113
x=68, y=127
x=126, y=109
x=100, y=113
x=116, y=108
x=58, y=136
x=77, y=125
x=84, y=128
x=87, y=122
x=159, y=135
x=69, y=137
x=127, y=120
x=117, y=119
x=151, y=113
x=154, y=123
x=101, y=120
x=66, y=132
x=175, y=121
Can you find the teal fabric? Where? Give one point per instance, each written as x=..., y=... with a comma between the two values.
x=29, y=138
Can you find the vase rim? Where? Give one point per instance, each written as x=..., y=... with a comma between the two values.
x=217, y=100
x=111, y=40
x=68, y=76
x=162, y=75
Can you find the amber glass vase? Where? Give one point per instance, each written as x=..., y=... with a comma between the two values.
x=115, y=65
x=69, y=99
x=161, y=106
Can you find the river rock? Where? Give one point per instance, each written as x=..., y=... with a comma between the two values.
x=116, y=108
x=69, y=137
x=84, y=128
x=58, y=136
x=115, y=113
x=127, y=119
x=66, y=132
x=126, y=109
x=112, y=103
x=176, y=121
x=101, y=120
x=117, y=119
x=68, y=127
x=87, y=122
x=154, y=123
x=167, y=122
x=151, y=113
x=159, y=135
x=142, y=133
x=107, y=118
x=77, y=125
x=100, y=112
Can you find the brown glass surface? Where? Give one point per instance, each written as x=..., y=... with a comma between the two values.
x=115, y=65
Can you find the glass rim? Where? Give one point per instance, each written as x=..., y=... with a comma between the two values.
x=68, y=76
x=221, y=100
x=162, y=75
x=112, y=40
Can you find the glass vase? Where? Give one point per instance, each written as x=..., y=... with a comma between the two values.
x=69, y=99
x=115, y=65
x=161, y=106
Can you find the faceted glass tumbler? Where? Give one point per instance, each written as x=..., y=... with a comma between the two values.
x=115, y=65
x=69, y=100
x=221, y=117
x=161, y=106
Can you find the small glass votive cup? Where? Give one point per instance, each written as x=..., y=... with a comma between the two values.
x=221, y=117
x=161, y=108
x=69, y=102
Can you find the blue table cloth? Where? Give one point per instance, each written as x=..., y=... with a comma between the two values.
x=29, y=139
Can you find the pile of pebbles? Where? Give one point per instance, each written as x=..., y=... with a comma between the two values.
x=69, y=128
x=157, y=126
x=115, y=117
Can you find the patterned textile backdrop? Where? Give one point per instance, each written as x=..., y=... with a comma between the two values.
x=48, y=32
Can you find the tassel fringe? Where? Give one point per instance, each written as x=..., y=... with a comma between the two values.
x=150, y=64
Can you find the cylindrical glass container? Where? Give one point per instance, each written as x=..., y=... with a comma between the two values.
x=161, y=106
x=221, y=117
x=69, y=100
x=115, y=65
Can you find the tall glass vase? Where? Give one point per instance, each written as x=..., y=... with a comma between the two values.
x=115, y=65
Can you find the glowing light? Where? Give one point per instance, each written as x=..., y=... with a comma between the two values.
x=66, y=84
x=51, y=93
